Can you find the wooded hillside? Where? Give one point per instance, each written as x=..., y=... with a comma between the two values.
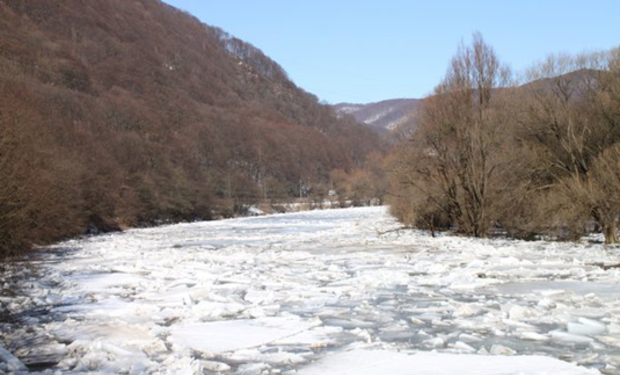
x=120, y=113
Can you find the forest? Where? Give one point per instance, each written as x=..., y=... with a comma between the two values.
x=128, y=113
x=526, y=157
x=118, y=114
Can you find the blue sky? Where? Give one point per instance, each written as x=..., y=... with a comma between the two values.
x=364, y=51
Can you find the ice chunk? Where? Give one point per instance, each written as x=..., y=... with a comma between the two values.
x=106, y=357
x=362, y=333
x=461, y=346
x=215, y=366
x=283, y=358
x=259, y=296
x=372, y=362
x=214, y=310
x=467, y=338
x=255, y=211
x=440, y=323
x=552, y=292
x=223, y=336
x=318, y=337
x=547, y=303
x=350, y=323
x=253, y=368
x=483, y=351
x=467, y=310
x=254, y=312
x=114, y=332
x=517, y=312
x=105, y=282
x=569, y=338
x=181, y=366
x=12, y=362
x=586, y=327
x=436, y=342
x=501, y=350
x=532, y=336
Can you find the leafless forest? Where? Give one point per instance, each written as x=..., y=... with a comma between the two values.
x=118, y=113
x=110, y=118
x=492, y=154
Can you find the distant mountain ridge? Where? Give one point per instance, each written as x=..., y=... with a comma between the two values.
x=394, y=115
x=383, y=116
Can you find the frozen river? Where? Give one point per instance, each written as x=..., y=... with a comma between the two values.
x=321, y=292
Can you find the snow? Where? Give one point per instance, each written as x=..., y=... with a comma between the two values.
x=230, y=335
x=255, y=211
x=330, y=292
x=392, y=125
x=361, y=362
x=379, y=115
x=348, y=109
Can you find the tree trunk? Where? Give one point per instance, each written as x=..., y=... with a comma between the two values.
x=611, y=234
x=609, y=225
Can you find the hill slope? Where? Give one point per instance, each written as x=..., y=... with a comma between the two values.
x=382, y=116
x=120, y=112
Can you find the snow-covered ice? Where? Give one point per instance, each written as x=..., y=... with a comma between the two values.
x=320, y=292
x=230, y=335
x=372, y=362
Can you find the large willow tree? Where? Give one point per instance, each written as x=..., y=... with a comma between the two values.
x=452, y=170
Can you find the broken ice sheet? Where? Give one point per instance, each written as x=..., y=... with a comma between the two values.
x=372, y=362
x=277, y=293
x=230, y=335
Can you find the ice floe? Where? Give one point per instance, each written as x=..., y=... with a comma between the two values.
x=322, y=292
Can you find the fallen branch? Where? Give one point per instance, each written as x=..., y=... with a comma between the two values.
x=397, y=230
x=606, y=266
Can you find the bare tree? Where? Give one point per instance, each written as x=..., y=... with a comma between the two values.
x=13, y=198
x=453, y=164
x=571, y=117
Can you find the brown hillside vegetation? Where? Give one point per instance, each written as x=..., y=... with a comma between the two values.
x=120, y=113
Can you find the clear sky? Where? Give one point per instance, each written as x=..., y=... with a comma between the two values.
x=363, y=51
